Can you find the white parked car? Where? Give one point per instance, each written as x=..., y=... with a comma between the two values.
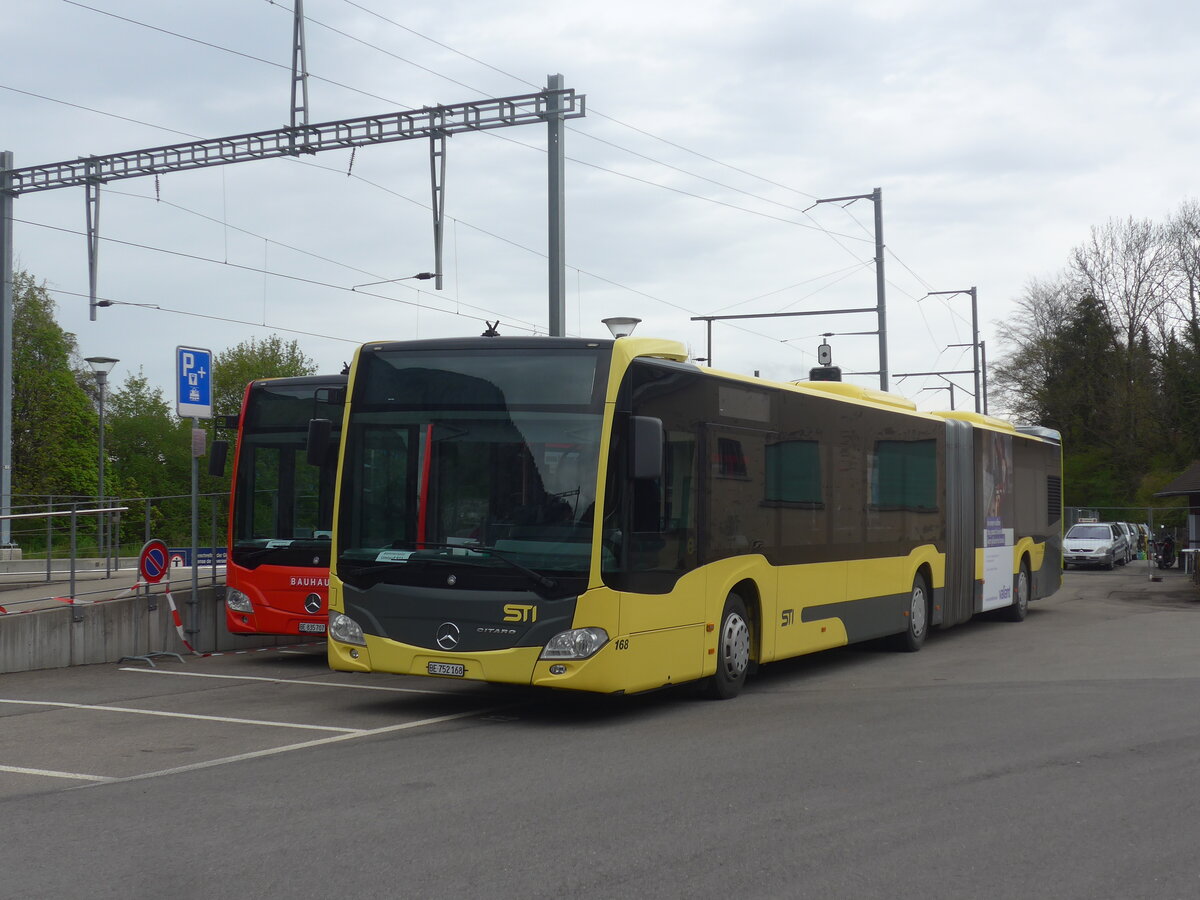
x=1094, y=544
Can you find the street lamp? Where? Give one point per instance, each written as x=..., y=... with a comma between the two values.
x=101, y=366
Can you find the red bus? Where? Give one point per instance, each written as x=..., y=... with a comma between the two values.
x=281, y=508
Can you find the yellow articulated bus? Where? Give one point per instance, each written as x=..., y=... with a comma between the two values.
x=602, y=515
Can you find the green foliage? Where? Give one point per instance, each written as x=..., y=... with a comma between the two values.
x=150, y=453
x=55, y=438
x=1108, y=353
x=55, y=442
x=1089, y=480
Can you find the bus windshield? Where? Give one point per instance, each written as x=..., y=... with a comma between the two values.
x=489, y=449
x=283, y=505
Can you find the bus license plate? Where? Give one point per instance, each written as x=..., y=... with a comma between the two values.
x=312, y=627
x=437, y=668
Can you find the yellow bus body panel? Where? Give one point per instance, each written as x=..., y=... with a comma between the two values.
x=633, y=663
x=658, y=640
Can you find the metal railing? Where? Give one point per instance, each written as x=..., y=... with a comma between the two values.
x=69, y=537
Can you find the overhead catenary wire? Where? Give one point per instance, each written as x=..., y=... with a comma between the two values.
x=248, y=56
x=493, y=235
x=525, y=326
x=815, y=227
x=209, y=316
x=259, y=59
x=594, y=112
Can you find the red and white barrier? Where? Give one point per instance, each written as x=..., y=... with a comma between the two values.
x=179, y=624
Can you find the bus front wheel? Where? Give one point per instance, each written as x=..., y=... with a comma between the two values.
x=912, y=638
x=733, y=651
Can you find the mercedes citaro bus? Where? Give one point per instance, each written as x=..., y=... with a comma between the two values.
x=281, y=508
x=603, y=515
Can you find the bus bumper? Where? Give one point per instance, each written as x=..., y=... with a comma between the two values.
x=513, y=666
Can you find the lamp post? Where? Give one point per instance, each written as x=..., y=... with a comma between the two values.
x=101, y=366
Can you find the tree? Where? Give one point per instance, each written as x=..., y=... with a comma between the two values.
x=150, y=451
x=1126, y=266
x=1183, y=232
x=1109, y=353
x=1022, y=380
x=249, y=361
x=55, y=427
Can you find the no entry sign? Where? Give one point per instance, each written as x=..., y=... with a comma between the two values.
x=154, y=561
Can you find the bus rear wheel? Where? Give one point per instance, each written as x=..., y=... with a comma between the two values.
x=912, y=638
x=733, y=651
x=1020, y=605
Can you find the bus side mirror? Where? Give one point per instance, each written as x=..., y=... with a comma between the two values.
x=216, y=458
x=319, y=433
x=334, y=396
x=647, y=461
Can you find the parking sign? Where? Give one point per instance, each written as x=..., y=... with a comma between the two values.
x=193, y=370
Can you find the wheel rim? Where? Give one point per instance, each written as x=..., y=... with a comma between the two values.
x=917, y=610
x=735, y=646
x=1023, y=589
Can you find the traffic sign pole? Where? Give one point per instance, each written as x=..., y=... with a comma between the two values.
x=194, y=601
x=193, y=368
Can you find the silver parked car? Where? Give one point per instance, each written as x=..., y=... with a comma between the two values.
x=1094, y=544
x=1129, y=536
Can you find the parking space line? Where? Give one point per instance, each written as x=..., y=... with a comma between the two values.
x=359, y=687
x=175, y=715
x=317, y=742
x=50, y=773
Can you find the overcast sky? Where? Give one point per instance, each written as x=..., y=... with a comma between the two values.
x=999, y=133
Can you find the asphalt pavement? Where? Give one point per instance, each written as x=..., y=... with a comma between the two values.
x=1056, y=757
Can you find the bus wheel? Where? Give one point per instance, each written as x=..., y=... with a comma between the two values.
x=1020, y=605
x=733, y=651
x=911, y=639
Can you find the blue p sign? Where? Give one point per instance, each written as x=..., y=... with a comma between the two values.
x=193, y=370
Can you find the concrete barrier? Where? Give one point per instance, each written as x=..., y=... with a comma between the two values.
x=109, y=630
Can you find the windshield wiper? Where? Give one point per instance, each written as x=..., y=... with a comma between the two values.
x=252, y=553
x=538, y=577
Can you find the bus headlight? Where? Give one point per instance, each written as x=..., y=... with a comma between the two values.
x=237, y=601
x=578, y=643
x=345, y=629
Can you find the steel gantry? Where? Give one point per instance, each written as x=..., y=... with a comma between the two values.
x=433, y=123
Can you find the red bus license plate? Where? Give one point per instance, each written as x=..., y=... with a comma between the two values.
x=312, y=627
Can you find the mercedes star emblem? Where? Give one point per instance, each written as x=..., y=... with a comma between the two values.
x=312, y=603
x=447, y=636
